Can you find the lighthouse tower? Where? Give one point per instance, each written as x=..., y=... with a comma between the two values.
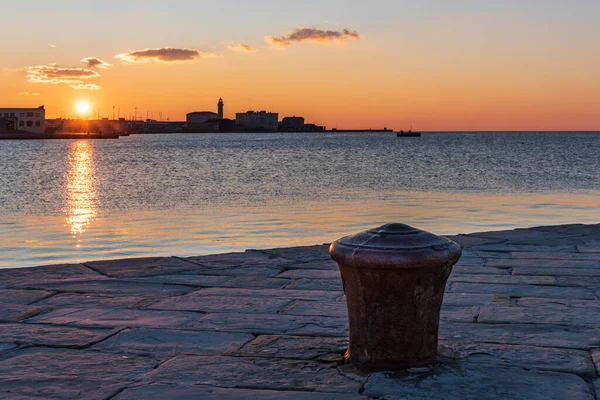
x=220, y=106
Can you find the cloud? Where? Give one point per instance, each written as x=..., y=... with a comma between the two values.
x=93, y=62
x=55, y=74
x=241, y=47
x=165, y=54
x=86, y=86
x=312, y=35
x=28, y=94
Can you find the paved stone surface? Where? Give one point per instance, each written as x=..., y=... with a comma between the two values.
x=164, y=344
x=62, y=373
x=294, y=347
x=14, y=296
x=249, y=372
x=141, y=266
x=19, y=312
x=205, y=281
x=449, y=382
x=222, y=304
x=528, y=357
x=52, y=273
x=117, y=318
x=520, y=320
x=52, y=336
x=93, y=300
x=113, y=286
x=178, y=392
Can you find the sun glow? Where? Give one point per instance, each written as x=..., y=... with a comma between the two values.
x=83, y=107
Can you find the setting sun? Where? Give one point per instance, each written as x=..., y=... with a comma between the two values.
x=83, y=107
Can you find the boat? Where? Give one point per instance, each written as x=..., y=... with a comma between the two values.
x=408, y=134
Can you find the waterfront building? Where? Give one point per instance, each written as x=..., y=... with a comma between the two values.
x=292, y=124
x=258, y=121
x=26, y=119
x=201, y=122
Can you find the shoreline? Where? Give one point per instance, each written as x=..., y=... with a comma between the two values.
x=520, y=317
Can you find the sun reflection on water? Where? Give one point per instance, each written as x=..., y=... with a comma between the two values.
x=81, y=207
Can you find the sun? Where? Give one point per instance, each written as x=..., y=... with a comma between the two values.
x=83, y=107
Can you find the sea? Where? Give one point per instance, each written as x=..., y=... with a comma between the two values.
x=70, y=201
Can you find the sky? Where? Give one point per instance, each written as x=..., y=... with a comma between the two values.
x=432, y=64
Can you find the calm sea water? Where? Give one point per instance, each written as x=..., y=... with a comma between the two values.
x=80, y=200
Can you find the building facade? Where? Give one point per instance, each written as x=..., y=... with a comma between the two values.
x=292, y=124
x=258, y=121
x=26, y=119
x=201, y=122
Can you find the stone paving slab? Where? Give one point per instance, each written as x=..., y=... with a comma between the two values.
x=556, y=336
x=94, y=300
x=582, y=272
x=222, y=304
x=112, y=286
x=273, y=324
x=294, y=347
x=576, y=362
x=555, y=256
x=14, y=296
x=519, y=321
x=52, y=273
x=52, y=336
x=250, y=258
x=311, y=274
x=205, y=281
x=256, y=373
x=305, y=254
x=19, y=312
x=178, y=392
x=273, y=293
x=548, y=292
x=117, y=318
x=542, y=262
x=133, y=267
x=167, y=343
x=316, y=284
x=450, y=382
x=62, y=373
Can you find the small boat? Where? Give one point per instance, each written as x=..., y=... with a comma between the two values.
x=408, y=134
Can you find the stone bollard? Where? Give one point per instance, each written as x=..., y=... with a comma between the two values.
x=394, y=279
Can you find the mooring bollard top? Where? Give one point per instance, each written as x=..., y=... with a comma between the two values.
x=394, y=246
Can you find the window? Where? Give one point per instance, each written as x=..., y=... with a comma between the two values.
x=29, y=123
x=37, y=123
x=37, y=115
x=12, y=114
x=21, y=123
x=30, y=114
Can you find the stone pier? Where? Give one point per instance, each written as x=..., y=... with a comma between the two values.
x=520, y=320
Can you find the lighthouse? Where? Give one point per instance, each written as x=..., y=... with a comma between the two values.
x=220, y=108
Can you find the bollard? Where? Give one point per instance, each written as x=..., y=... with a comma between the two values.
x=394, y=279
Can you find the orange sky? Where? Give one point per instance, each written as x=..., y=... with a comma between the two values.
x=441, y=69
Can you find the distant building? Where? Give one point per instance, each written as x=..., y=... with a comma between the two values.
x=292, y=124
x=205, y=121
x=26, y=119
x=296, y=124
x=201, y=122
x=258, y=121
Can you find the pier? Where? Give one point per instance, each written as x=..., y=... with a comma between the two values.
x=520, y=319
